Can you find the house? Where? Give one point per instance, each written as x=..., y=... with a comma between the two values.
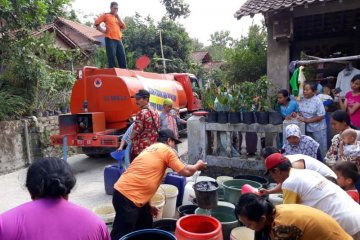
x=72, y=35
x=320, y=28
x=204, y=59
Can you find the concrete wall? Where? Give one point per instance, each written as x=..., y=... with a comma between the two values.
x=278, y=55
x=201, y=145
x=13, y=152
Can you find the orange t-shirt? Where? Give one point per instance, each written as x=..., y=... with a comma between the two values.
x=144, y=175
x=113, y=29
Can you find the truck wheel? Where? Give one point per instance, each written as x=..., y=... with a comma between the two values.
x=97, y=152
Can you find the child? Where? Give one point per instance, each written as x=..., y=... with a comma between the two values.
x=347, y=175
x=349, y=146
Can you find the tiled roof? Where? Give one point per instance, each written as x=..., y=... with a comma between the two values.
x=199, y=56
x=89, y=32
x=251, y=7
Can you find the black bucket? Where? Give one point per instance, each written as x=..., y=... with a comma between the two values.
x=222, y=117
x=262, y=117
x=234, y=117
x=275, y=118
x=212, y=117
x=166, y=224
x=184, y=210
x=248, y=117
x=206, y=193
x=262, y=180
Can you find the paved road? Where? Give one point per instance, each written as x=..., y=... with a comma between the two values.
x=89, y=190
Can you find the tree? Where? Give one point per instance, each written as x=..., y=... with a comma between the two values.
x=176, y=8
x=33, y=75
x=141, y=37
x=23, y=16
x=247, y=61
x=221, y=38
x=197, y=45
x=220, y=42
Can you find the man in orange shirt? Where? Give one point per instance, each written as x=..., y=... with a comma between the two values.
x=113, y=35
x=135, y=188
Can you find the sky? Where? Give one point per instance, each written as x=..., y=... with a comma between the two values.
x=206, y=17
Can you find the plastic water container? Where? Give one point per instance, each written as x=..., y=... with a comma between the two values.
x=242, y=233
x=198, y=227
x=170, y=192
x=179, y=182
x=111, y=174
x=107, y=213
x=189, y=193
x=220, y=180
x=158, y=201
x=147, y=234
x=225, y=215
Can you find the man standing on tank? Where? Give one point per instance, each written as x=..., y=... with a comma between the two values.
x=113, y=36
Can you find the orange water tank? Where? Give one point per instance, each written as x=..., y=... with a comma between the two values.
x=110, y=91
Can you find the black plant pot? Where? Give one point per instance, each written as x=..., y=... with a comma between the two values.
x=212, y=117
x=262, y=117
x=234, y=117
x=222, y=117
x=275, y=118
x=248, y=117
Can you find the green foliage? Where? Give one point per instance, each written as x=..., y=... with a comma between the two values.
x=235, y=103
x=223, y=96
x=12, y=106
x=141, y=37
x=221, y=38
x=248, y=92
x=197, y=45
x=247, y=61
x=34, y=70
x=176, y=8
x=208, y=95
x=23, y=16
x=220, y=43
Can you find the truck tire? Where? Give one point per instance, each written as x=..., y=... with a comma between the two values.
x=97, y=152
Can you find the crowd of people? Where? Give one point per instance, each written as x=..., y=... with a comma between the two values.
x=320, y=185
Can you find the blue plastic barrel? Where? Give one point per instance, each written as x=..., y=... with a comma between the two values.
x=111, y=174
x=148, y=234
x=179, y=182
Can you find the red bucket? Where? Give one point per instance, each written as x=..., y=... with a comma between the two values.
x=198, y=227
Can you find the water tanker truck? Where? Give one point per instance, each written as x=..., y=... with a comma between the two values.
x=101, y=105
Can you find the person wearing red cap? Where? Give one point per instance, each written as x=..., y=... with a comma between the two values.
x=309, y=188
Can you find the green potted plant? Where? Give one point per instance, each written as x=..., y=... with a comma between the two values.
x=275, y=116
x=207, y=102
x=248, y=92
x=223, y=99
x=235, y=105
x=263, y=104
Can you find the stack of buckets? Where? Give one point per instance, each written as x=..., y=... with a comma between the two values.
x=177, y=190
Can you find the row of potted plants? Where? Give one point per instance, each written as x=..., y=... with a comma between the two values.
x=247, y=102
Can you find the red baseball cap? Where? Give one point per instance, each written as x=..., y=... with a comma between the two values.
x=273, y=160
